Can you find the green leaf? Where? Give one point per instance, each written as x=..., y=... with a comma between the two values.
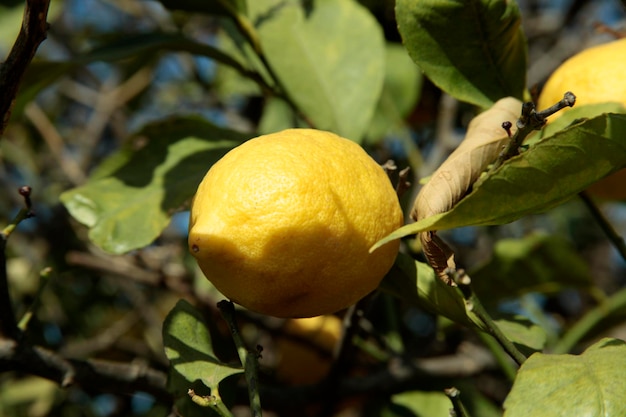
x=474, y=50
x=150, y=43
x=417, y=404
x=189, y=348
x=328, y=55
x=527, y=336
x=536, y=263
x=546, y=175
x=40, y=74
x=401, y=91
x=416, y=283
x=129, y=201
x=591, y=384
x=575, y=114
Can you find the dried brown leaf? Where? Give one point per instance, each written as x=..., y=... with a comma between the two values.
x=483, y=142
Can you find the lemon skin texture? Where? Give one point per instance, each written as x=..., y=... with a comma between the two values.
x=282, y=224
x=595, y=75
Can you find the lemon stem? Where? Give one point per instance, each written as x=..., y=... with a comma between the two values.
x=249, y=359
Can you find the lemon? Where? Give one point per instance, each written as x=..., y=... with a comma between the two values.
x=595, y=75
x=282, y=224
x=305, y=353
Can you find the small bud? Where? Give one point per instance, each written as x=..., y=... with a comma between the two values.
x=25, y=191
x=507, y=127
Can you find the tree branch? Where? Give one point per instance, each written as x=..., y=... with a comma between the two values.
x=92, y=375
x=32, y=33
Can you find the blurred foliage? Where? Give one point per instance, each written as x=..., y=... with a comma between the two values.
x=129, y=102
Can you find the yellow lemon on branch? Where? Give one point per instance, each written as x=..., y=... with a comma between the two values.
x=283, y=223
x=595, y=75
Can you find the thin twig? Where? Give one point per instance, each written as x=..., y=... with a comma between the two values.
x=530, y=120
x=99, y=375
x=55, y=142
x=44, y=278
x=458, y=408
x=608, y=229
x=590, y=321
x=32, y=33
x=8, y=322
x=473, y=305
x=344, y=351
x=248, y=359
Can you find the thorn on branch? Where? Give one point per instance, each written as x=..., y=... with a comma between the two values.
x=529, y=120
x=507, y=127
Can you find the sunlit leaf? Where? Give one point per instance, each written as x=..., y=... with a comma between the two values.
x=474, y=50
x=590, y=384
x=328, y=55
x=129, y=201
x=547, y=174
x=417, y=404
x=401, y=91
x=189, y=348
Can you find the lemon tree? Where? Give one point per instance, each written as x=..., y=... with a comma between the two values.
x=209, y=189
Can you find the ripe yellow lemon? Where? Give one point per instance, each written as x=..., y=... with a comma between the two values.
x=306, y=357
x=595, y=75
x=283, y=223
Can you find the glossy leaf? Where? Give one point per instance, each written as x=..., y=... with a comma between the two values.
x=474, y=50
x=415, y=282
x=130, y=199
x=536, y=263
x=547, y=174
x=590, y=384
x=188, y=347
x=328, y=55
x=563, y=119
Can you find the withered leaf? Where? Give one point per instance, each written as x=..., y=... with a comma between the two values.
x=483, y=142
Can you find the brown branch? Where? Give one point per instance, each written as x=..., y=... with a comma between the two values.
x=398, y=375
x=92, y=375
x=32, y=33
